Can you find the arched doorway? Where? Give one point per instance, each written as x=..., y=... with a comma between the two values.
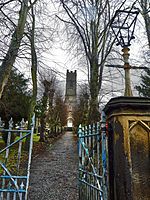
x=69, y=122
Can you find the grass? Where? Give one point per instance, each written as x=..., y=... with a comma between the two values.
x=38, y=148
x=13, y=155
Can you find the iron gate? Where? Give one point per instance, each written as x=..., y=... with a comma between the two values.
x=14, y=173
x=92, y=150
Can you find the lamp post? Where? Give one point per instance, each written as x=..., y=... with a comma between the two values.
x=123, y=25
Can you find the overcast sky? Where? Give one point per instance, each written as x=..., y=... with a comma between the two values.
x=60, y=59
x=63, y=60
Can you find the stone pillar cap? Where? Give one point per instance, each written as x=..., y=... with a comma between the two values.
x=124, y=102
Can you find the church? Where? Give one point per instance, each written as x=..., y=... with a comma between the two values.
x=70, y=96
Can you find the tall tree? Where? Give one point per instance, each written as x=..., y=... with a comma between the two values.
x=80, y=113
x=46, y=102
x=31, y=37
x=145, y=5
x=144, y=87
x=60, y=110
x=12, y=51
x=91, y=28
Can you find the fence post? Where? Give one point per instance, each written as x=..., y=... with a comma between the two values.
x=104, y=155
x=128, y=137
x=80, y=158
x=30, y=154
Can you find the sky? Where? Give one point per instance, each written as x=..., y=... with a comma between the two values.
x=62, y=60
x=59, y=59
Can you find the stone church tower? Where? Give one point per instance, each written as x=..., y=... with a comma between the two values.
x=70, y=96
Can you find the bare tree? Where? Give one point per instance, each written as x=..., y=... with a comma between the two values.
x=80, y=113
x=145, y=5
x=31, y=37
x=47, y=84
x=59, y=111
x=16, y=22
x=91, y=30
x=15, y=42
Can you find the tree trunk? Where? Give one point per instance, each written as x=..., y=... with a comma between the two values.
x=12, y=52
x=42, y=128
x=147, y=25
x=43, y=114
x=33, y=70
x=145, y=7
x=94, y=92
x=34, y=76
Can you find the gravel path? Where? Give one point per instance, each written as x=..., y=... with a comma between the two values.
x=54, y=173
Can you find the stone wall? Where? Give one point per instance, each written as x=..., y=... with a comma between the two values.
x=70, y=96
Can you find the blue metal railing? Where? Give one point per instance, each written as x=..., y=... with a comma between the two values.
x=14, y=184
x=93, y=161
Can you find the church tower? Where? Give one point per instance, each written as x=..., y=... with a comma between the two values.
x=70, y=96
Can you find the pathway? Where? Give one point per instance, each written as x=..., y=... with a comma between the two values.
x=54, y=174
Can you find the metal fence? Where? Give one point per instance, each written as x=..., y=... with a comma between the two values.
x=15, y=171
x=92, y=150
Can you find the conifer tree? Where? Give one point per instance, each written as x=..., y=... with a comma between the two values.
x=144, y=87
x=15, y=98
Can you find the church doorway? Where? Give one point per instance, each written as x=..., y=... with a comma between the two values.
x=69, y=123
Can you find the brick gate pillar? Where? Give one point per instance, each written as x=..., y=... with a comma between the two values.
x=129, y=148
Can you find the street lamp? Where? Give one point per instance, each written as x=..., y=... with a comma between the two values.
x=123, y=25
